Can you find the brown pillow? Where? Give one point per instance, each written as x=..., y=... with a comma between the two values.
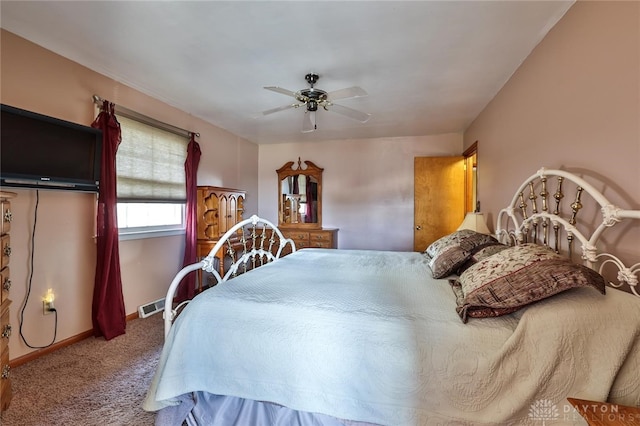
x=451, y=251
x=516, y=277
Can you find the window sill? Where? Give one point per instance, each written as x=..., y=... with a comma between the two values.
x=124, y=235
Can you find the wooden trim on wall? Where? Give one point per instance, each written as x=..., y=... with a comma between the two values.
x=59, y=345
x=470, y=156
x=473, y=149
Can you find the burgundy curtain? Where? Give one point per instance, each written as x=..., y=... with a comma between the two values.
x=310, y=202
x=108, y=313
x=187, y=288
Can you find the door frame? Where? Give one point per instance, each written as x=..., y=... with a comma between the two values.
x=471, y=202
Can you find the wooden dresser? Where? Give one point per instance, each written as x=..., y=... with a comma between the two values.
x=318, y=238
x=300, y=207
x=218, y=210
x=5, y=282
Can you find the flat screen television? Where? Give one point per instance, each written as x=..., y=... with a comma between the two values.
x=37, y=151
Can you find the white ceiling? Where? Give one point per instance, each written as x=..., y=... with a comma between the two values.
x=429, y=67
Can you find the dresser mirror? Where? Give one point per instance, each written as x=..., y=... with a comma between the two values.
x=300, y=195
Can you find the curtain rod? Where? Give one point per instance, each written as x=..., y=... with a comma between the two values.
x=145, y=119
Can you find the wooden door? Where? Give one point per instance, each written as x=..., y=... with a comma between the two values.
x=439, y=198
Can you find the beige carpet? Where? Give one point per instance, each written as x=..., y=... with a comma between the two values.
x=93, y=382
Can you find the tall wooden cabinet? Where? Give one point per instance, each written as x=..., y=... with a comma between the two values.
x=5, y=282
x=218, y=210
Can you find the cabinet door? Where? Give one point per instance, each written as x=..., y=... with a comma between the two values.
x=232, y=211
x=208, y=214
x=239, y=213
x=218, y=210
x=438, y=198
x=223, y=200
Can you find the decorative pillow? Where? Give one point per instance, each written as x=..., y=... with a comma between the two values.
x=451, y=251
x=481, y=254
x=516, y=277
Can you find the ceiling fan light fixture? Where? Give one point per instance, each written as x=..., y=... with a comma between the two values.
x=313, y=98
x=309, y=122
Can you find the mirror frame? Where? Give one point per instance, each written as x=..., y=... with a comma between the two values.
x=311, y=171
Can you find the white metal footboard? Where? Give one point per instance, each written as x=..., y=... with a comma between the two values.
x=261, y=243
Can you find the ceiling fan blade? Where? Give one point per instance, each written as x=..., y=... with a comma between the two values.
x=281, y=108
x=309, y=122
x=349, y=92
x=360, y=116
x=281, y=90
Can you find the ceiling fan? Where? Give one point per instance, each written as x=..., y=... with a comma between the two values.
x=313, y=98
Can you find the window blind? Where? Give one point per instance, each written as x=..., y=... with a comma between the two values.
x=150, y=164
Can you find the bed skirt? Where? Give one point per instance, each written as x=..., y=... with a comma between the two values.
x=201, y=408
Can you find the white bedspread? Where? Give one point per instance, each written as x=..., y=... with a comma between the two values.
x=369, y=336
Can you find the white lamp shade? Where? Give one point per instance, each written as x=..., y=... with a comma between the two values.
x=475, y=222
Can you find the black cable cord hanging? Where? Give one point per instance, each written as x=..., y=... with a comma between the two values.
x=26, y=300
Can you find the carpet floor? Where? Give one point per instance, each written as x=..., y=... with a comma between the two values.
x=92, y=382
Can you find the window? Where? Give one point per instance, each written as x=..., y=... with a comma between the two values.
x=150, y=179
x=145, y=217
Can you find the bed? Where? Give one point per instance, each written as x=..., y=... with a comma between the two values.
x=476, y=330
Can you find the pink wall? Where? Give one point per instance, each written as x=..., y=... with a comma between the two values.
x=39, y=80
x=574, y=104
x=367, y=185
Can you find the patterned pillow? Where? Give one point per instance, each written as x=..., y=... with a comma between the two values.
x=451, y=251
x=481, y=254
x=517, y=277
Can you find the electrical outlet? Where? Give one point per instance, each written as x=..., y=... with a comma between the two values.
x=47, y=307
x=47, y=302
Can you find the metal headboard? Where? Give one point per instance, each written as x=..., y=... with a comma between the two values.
x=260, y=242
x=536, y=215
